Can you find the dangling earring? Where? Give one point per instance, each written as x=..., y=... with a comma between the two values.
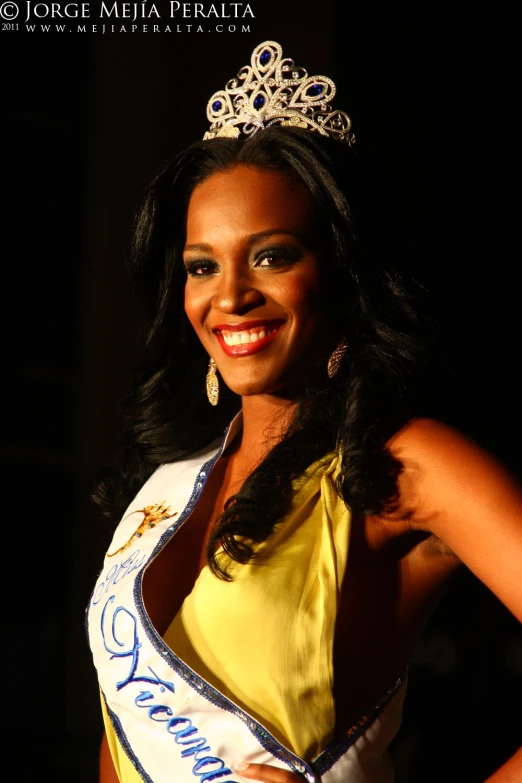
x=334, y=362
x=212, y=383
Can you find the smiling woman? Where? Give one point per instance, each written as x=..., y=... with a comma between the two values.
x=249, y=256
x=280, y=549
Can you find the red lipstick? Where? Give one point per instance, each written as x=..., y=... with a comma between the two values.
x=244, y=326
x=246, y=349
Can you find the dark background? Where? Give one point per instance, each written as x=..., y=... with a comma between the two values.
x=87, y=119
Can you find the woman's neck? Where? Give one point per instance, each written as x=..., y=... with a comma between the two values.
x=266, y=418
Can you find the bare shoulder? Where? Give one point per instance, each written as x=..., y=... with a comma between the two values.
x=452, y=487
x=428, y=439
x=438, y=458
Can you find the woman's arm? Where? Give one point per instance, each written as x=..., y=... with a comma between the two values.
x=456, y=490
x=510, y=772
x=107, y=771
x=463, y=495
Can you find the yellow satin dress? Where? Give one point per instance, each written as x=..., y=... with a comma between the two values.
x=265, y=640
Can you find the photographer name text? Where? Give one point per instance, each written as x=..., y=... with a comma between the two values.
x=133, y=11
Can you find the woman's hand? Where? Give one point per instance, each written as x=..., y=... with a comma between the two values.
x=266, y=773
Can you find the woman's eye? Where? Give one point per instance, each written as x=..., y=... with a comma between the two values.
x=200, y=268
x=277, y=256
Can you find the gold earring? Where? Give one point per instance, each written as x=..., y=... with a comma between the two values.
x=334, y=362
x=212, y=383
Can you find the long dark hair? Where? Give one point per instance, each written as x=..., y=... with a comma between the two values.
x=383, y=379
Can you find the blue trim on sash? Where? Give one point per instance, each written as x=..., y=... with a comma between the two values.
x=351, y=733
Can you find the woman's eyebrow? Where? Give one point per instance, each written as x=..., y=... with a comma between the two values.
x=200, y=246
x=272, y=231
x=254, y=238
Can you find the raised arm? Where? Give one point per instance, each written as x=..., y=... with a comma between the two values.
x=468, y=499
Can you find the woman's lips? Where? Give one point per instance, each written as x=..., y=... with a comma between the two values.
x=247, y=338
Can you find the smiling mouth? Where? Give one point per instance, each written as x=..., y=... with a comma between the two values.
x=246, y=339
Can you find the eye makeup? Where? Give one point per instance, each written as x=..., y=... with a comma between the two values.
x=280, y=254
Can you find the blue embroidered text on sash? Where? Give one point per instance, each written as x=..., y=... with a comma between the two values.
x=206, y=767
x=117, y=572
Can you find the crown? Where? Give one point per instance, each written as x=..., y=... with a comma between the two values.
x=273, y=91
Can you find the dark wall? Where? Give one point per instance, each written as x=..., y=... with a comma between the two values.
x=88, y=119
x=434, y=93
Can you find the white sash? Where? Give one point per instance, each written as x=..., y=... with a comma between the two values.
x=174, y=726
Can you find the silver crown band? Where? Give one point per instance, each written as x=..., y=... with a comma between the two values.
x=273, y=91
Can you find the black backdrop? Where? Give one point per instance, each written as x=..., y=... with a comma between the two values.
x=87, y=119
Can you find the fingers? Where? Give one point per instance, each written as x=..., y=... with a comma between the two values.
x=266, y=773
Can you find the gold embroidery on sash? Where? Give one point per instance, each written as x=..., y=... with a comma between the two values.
x=151, y=516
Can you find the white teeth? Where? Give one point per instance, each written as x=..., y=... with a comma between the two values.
x=243, y=338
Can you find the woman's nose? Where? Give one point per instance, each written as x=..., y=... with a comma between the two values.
x=237, y=293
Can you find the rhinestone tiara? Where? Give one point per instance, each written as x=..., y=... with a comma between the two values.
x=274, y=91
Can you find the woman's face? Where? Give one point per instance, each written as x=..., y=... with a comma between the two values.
x=254, y=286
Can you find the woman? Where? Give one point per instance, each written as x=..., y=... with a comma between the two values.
x=265, y=588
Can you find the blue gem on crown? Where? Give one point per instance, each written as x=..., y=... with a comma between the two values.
x=314, y=89
x=273, y=91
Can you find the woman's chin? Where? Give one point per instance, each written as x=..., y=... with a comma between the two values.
x=261, y=387
x=251, y=389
